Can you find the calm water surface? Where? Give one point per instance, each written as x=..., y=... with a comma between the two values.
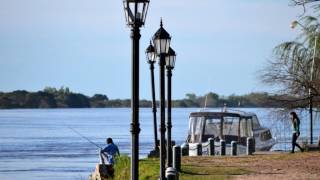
x=37, y=144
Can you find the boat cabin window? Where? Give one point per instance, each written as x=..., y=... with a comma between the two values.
x=230, y=126
x=195, y=128
x=255, y=123
x=212, y=127
x=246, y=127
x=249, y=124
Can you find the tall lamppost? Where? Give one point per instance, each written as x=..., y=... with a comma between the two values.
x=135, y=12
x=151, y=58
x=161, y=41
x=293, y=25
x=170, y=62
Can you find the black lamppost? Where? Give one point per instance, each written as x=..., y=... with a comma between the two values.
x=161, y=41
x=135, y=12
x=311, y=116
x=170, y=62
x=151, y=58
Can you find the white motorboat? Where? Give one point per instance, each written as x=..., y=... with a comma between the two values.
x=229, y=125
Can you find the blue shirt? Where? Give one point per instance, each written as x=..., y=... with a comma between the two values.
x=110, y=151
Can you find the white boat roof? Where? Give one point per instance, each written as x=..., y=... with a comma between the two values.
x=229, y=112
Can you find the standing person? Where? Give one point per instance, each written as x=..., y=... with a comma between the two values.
x=107, y=154
x=295, y=130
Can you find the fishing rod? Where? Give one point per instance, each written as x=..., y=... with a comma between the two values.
x=84, y=137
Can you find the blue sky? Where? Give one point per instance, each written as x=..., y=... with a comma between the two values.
x=85, y=44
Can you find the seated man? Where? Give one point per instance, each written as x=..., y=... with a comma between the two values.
x=107, y=154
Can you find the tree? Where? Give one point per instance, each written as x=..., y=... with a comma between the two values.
x=76, y=100
x=304, y=3
x=50, y=90
x=212, y=99
x=291, y=68
x=191, y=96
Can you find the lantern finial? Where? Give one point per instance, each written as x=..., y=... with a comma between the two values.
x=161, y=25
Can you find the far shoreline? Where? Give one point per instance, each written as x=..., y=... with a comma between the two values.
x=68, y=108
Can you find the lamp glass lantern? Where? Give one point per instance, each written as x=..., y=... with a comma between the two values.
x=151, y=54
x=171, y=58
x=294, y=24
x=136, y=11
x=161, y=41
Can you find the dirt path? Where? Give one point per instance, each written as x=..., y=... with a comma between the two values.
x=265, y=166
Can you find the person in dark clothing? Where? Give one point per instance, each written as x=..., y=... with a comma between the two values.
x=295, y=131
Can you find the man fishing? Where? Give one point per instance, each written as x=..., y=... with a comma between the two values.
x=105, y=168
x=108, y=153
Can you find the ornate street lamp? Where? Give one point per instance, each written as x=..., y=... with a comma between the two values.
x=170, y=62
x=161, y=41
x=171, y=59
x=135, y=12
x=151, y=59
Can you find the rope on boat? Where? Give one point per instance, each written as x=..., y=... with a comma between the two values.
x=205, y=145
x=192, y=147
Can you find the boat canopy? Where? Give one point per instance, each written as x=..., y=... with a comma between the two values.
x=221, y=125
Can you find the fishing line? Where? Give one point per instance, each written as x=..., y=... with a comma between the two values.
x=84, y=137
x=75, y=131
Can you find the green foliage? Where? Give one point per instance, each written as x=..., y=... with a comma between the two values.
x=48, y=98
x=99, y=100
x=214, y=100
x=64, y=98
x=295, y=69
x=76, y=101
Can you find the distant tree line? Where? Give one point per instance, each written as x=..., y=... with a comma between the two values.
x=213, y=100
x=64, y=98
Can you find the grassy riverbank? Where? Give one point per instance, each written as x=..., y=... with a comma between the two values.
x=267, y=166
x=149, y=169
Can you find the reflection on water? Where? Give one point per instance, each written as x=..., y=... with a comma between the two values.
x=37, y=144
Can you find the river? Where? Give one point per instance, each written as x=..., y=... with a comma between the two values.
x=37, y=143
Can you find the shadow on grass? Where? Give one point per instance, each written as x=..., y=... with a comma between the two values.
x=193, y=173
x=215, y=171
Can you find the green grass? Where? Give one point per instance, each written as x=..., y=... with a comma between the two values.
x=149, y=169
x=122, y=167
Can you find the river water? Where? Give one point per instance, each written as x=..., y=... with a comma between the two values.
x=37, y=143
